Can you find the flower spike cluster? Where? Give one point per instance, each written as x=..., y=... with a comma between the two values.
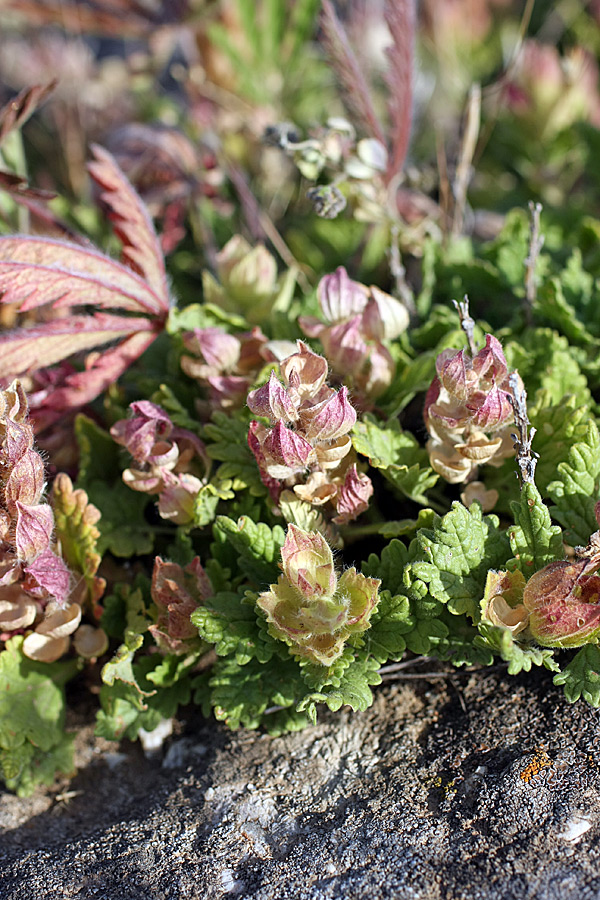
x=177, y=592
x=312, y=609
x=36, y=586
x=307, y=445
x=468, y=412
x=168, y=460
x=359, y=321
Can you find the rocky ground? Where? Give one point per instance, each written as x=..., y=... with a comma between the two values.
x=467, y=787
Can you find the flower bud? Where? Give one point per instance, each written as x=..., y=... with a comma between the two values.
x=272, y=401
x=177, y=592
x=310, y=608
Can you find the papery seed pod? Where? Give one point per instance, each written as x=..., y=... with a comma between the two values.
x=563, y=601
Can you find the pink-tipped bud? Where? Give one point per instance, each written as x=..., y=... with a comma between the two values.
x=286, y=452
x=329, y=419
x=340, y=297
x=33, y=531
x=148, y=424
x=220, y=350
x=353, y=496
x=177, y=592
x=310, y=608
x=305, y=371
x=272, y=401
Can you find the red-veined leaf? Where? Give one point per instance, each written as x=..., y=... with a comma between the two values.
x=37, y=271
x=24, y=349
x=101, y=370
x=40, y=272
x=131, y=222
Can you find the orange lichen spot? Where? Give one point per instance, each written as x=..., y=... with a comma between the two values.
x=540, y=761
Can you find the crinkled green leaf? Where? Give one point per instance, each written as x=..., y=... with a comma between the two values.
x=576, y=489
x=427, y=635
x=228, y=620
x=581, y=677
x=33, y=743
x=558, y=429
x=227, y=442
x=390, y=623
x=122, y=714
x=240, y=695
x=207, y=500
x=390, y=567
x=553, y=306
x=123, y=527
x=354, y=689
x=257, y=546
x=455, y=557
x=403, y=463
x=534, y=540
x=137, y=621
x=546, y=363
x=520, y=657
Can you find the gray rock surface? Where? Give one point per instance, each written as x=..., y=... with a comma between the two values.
x=465, y=788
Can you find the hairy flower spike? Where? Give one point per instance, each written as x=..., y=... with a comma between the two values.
x=468, y=411
x=358, y=322
x=177, y=592
x=36, y=586
x=312, y=609
x=169, y=460
x=307, y=446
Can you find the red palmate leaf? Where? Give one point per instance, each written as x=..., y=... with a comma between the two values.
x=78, y=284
x=131, y=222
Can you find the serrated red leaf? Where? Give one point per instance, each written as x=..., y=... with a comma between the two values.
x=38, y=271
x=131, y=222
x=22, y=350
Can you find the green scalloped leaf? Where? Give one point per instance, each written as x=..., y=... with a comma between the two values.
x=227, y=442
x=455, y=557
x=257, y=546
x=228, y=620
x=520, y=657
x=241, y=695
x=534, y=540
x=581, y=677
x=390, y=567
x=390, y=623
x=575, y=491
x=402, y=461
x=33, y=743
x=354, y=689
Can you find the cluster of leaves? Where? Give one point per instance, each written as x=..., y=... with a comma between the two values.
x=90, y=334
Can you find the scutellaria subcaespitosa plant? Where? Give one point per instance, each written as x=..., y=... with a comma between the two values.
x=256, y=475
